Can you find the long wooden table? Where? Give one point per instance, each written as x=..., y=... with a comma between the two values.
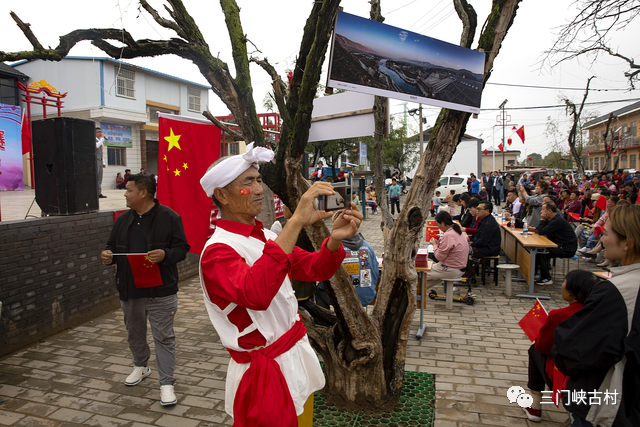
x=522, y=250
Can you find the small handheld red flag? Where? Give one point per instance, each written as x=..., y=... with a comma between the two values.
x=601, y=203
x=146, y=274
x=574, y=215
x=520, y=133
x=559, y=384
x=533, y=321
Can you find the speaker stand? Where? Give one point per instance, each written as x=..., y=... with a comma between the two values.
x=28, y=210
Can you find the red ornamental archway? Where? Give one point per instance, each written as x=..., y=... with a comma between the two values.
x=40, y=93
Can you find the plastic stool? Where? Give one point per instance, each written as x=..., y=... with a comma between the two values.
x=449, y=301
x=508, y=272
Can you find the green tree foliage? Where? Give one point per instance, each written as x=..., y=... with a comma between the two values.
x=397, y=150
x=557, y=160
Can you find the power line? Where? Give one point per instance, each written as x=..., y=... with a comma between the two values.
x=561, y=105
x=388, y=13
x=558, y=88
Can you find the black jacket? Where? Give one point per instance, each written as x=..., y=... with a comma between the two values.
x=487, y=239
x=167, y=233
x=604, y=338
x=560, y=232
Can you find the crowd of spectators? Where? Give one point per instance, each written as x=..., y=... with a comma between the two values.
x=593, y=345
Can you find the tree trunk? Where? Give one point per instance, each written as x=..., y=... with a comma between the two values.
x=364, y=355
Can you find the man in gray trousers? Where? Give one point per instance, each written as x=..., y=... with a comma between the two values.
x=155, y=232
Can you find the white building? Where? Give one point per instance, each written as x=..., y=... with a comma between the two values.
x=123, y=99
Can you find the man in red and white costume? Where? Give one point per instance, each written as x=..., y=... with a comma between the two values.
x=245, y=273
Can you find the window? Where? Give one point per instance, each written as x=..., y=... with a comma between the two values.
x=511, y=162
x=116, y=156
x=152, y=112
x=633, y=128
x=8, y=92
x=443, y=181
x=229, y=149
x=623, y=161
x=591, y=163
x=194, y=99
x=456, y=181
x=596, y=164
x=632, y=161
x=126, y=80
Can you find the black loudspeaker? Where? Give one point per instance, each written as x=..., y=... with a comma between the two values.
x=64, y=164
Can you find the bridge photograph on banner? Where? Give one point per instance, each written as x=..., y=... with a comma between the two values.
x=370, y=57
x=10, y=148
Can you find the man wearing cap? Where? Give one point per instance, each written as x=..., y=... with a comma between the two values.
x=100, y=163
x=246, y=272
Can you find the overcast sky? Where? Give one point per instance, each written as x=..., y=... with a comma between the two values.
x=275, y=28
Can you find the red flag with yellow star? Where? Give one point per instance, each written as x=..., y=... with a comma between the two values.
x=532, y=322
x=146, y=274
x=187, y=147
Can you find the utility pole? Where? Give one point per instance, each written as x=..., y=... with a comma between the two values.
x=502, y=120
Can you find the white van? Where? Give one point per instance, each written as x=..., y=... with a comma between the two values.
x=446, y=183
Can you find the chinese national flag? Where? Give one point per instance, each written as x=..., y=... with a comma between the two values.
x=26, y=134
x=187, y=147
x=601, y=203
x=501, y=147
x=520, y=133
x=486, y=153
x=432, y=230
x=533, y=320
x=146, y=274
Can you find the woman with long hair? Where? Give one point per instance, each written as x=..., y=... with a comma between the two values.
x=451, y=251
x=598, y=348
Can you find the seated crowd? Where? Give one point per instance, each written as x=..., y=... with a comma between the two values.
x=591, y=347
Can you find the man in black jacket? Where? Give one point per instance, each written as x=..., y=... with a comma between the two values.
x=157, y=231
x=559, y=231
x=486, y=241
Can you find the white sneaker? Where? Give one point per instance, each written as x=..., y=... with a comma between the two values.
x=584, y=249
x=167, y=395
x=139, y=373
x=455, y=289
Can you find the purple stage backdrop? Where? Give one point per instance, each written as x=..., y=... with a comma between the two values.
x=10, y=148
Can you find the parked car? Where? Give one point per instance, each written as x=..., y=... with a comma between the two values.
x=535, y=173
x=446, y=183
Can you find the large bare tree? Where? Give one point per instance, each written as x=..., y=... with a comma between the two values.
x=364, y=355
x=589, y=33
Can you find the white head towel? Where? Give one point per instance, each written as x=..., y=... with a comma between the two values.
x=229, y=169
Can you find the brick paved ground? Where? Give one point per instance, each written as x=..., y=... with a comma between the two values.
x=76, y=377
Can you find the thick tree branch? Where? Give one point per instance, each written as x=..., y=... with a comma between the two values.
x=280, y=91
x=237, y=136
x=162, y=21
x=469, y=19
x=25, y=27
